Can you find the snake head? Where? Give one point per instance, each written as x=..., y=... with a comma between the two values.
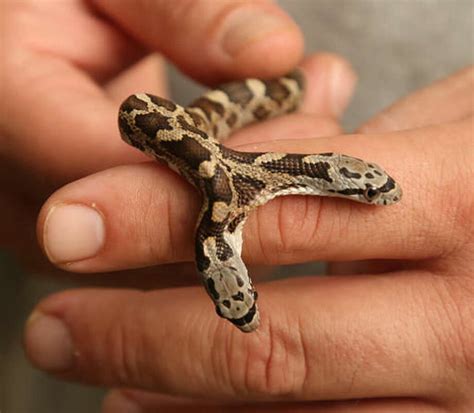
x=364, y=182
x=236, y=303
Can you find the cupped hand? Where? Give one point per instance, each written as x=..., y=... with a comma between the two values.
x=67, y=65
x=395, y=337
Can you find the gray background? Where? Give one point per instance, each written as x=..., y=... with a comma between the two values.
x=395, y=46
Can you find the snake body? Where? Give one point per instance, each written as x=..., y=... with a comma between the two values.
x=232, y=183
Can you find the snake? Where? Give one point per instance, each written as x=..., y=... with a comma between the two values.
x=232, y=183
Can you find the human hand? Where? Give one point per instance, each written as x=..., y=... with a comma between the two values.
x=67, y=65
x=396, y=337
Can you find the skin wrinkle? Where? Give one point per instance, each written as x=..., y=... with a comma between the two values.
x=460, y=214
x=258, y=375
x=203, y=352
x=157, y=346
x=233, y=346
x=304, y=356
x=206, y=22
x=297, y=209
x=283, y=355
x=172, y=245
x=218, y=374
x=215, y=28
x=423, y=300
x=312, y=204
x=127, y=367
x=167, y=203
x=117, y=339
x=135, y=346
x=448, y=209
x=281, y=244
x=306, y=217
x=189, y=354
x=224, y=366
x=261, y=368
x=257, y=213
x=253, y=365
x=316, y=219
x=450, y=301
x=341, y=222
x=267, y=376
x=147, y=211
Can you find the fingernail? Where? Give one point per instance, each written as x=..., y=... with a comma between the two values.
x=341, y=85
x=48, y=343
x=246, y=25
x=116, y=402
x=73, y=232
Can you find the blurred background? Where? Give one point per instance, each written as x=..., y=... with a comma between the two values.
x=395, y=46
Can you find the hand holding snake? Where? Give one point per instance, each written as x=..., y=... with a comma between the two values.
x=393, y=334
x=413, y=271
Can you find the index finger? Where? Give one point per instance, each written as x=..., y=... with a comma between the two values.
x=213, y=40
x=148, y=213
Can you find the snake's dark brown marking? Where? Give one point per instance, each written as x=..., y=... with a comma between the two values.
x=232, y=183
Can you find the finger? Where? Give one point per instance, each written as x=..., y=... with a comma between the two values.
x=329, y=341
x=71, y=248
x=446, y=100
x=379, y=266
x=213, y=41
x=71, y=127
x=90, y=225
x=84, y=226
x=298, y=126
x=137, y=401
x=331, y=82
x=69, y=31
x=50, y=80
x=145, y=214
x=148, y=74
x=67, y=107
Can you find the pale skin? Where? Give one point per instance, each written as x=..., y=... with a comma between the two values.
x=391, y=333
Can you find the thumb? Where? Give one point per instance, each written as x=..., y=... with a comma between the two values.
x=213, y=40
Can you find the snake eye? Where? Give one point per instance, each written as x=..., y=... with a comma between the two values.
x=371, y=194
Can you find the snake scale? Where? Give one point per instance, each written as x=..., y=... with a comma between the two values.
x=232, y=183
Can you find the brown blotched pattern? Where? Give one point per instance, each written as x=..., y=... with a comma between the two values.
x=276, y=91
x=209, y=107
x=238, y=92
x=294, y=164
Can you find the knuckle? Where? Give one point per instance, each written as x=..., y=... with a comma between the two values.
x=120, y=349
x=451, y=325
x=295, y=222
x=274, y=364
x=457, y=209
x=158, y=225
x=460, y=311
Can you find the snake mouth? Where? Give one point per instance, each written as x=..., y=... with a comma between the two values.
x=249, y=322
